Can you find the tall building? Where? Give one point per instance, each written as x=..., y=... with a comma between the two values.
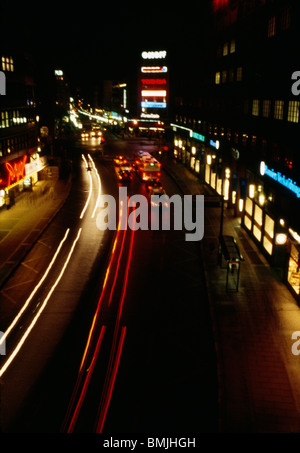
x=19, y=143
x=246, y=116
x=152, y=97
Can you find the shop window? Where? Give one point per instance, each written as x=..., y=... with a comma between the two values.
x=294, y=269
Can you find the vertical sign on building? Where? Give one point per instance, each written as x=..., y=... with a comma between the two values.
x=153, y=85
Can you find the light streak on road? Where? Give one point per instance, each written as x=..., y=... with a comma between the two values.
x=90, y=191
x=90, y=335
x=16, y=319
x=80, y=391
x=113, y=366
x=44, y=304
x=103, y=413
x=99, y=185
x=86, y=382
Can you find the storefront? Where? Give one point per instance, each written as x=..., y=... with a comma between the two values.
x=293, y=272
x=18, y=175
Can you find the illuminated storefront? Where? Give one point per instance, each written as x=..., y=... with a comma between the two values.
x=19, y=174
x=293, y=272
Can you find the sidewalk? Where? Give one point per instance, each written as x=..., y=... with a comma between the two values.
x=23, y=223
x=258, y=374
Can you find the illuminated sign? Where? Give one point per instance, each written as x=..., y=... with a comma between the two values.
x=154, y=81
x=281, y=179
x=215, y=144
x=15, y=171
x=154, y=69
x=154, y=93
x=150, y=115
x=198, y=136
x=153, y=55
x=156, y=105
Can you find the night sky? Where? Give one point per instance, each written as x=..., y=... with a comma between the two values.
x=94, y=41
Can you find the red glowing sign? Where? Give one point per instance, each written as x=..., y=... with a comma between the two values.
x=15, y=171
x=154, y=81
x=217, y=4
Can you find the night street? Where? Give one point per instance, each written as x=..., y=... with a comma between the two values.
x=164, y=356
x=149, y=221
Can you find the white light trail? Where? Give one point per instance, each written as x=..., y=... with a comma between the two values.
x=35, y=319
x=90, y=192
x=9, y=329
x=99, y=185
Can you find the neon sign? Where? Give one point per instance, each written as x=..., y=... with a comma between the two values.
x=156, y=105
x=155, y=69
x=154, y=81
x=154, y=55
x=15, y=171
x=281, y=179
x=154, y=93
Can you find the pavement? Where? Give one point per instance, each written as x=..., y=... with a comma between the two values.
x=253, y=320
x=259, y=377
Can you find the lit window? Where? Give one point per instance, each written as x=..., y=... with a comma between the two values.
x=255, y=107
x=232, y=46
x=225, y=49
x=278, y=110
x=266, y=108
x=7, y=63
x=271, y=26
x=293, y=111
x=239, y=74
x=217, y=78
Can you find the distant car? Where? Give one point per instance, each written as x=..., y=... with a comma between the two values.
x=124, y=176
x=155, y=187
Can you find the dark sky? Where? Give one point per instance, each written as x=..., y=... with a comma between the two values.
x=102, y=39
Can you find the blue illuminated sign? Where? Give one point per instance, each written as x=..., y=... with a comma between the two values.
x=286, y=182
x=214, y=144
x=154, y=105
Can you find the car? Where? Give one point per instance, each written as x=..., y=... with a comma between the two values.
x=154, y=187
x=124, y=176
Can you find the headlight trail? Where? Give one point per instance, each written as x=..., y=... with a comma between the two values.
x=99, y=185
x=9, y=329
x=33, y=322
x=90, y=192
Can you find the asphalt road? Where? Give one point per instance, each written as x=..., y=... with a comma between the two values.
x=151, y=364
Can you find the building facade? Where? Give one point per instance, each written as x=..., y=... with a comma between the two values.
x=20, y=160
x=240, y=130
